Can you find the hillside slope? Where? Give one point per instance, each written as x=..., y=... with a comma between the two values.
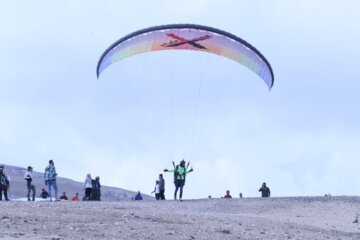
x=18, y=186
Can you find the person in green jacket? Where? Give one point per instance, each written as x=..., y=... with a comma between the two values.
x=180, y=172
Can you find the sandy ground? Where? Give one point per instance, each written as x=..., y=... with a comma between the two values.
x=256, y=218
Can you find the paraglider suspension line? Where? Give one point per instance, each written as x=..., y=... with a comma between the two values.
x=196, y=118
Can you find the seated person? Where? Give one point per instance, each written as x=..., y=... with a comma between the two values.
x=75, y=198
x=64, y=197
x=44, y=194
x=138, y=196
x=227, y=194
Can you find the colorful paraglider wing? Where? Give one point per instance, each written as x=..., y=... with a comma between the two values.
x=189, y=37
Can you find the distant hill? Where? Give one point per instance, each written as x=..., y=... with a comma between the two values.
x=18, y=186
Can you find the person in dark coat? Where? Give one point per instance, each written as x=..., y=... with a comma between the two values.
x=44, y=194
x=265, y=191
x=95, y=192
x=64, y=197
x=161, y=187
x=138, y=197
x=4, y=184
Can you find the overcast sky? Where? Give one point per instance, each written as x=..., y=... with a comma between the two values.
x=146, y=111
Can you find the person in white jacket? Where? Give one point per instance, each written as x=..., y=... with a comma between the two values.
x=157, y=190
x=30, y=187
x=88, y=187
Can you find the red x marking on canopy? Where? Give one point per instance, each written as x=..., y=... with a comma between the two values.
x=180, y=41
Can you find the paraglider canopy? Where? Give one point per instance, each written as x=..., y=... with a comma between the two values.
x=189, y=37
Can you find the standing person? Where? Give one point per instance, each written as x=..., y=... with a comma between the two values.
x=30, y=187
x=265, y=191
x=157, y=190
x=161, y=187
x=180, y=172
x=88, y=187
x=50, y=179
x=7, y=180
x=95, y=192
x=227, y=195
x=4, y=183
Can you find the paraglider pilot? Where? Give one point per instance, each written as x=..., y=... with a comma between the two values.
x=180, y=172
